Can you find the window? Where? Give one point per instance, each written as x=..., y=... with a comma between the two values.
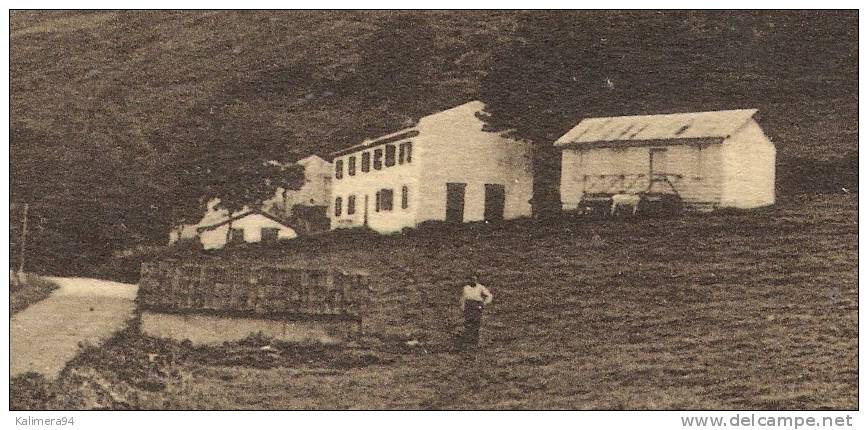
x=405, y=152
x=405, y=197
x=390, y=155
x=339, y=169
x=378, y=159
x=338, y=204
x=236, y=235
x=384, y=200
x=366, y=162
x=351, y=205
x=351, y=166
x=269, y=234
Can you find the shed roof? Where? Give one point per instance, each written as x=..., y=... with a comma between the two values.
x=243, y=214
x=640, y=128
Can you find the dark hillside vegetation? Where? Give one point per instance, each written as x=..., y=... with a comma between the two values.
x=120, y=120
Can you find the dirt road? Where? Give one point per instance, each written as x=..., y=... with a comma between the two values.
x=45, y=336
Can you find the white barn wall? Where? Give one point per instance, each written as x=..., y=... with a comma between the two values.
x=316, y=190
x=700, y=170
x=571, y=185
x=185, y=231
x=456, y=149
x=251, y=224
x=748, y=169
x=214, y=238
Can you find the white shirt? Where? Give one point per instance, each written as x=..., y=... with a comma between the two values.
x=476, y=292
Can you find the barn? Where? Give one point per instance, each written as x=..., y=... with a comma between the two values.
x=445, y=168
x=246, y=226
x=719, y=159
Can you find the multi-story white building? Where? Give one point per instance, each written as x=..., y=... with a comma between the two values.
x=446, y=168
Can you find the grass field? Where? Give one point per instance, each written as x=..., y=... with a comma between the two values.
x=740, y=310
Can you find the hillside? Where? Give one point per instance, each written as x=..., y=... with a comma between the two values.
x=112, y=111
x=740, y=310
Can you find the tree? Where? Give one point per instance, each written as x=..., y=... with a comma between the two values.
x=232, y=152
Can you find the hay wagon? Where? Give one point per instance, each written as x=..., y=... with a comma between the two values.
x=657, y=194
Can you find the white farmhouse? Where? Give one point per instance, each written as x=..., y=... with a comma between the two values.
x=246, y=226
x=316, y=190
x=711, y=159
x=446, y=168
x=301, y=207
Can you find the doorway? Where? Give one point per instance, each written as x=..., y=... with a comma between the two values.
x=495, y=197
x=656, y=167
x=365, y=213
x=455, y=202
x=657, y=161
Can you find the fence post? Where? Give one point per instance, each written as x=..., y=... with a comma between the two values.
x=23, y=242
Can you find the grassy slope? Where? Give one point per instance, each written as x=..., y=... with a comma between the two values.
x=750, y=310
x=141, y=72
x=101, y=78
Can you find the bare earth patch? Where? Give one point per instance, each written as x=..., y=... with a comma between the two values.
x=46, y=335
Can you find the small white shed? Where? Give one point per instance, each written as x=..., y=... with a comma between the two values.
x=248, y=226
x=711, y=159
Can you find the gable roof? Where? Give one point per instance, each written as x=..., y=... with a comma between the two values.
x=471, y=108
x=242, y=215
x=312, y=158
x=642, y=128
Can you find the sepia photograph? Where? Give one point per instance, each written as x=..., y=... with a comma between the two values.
x=613, y=210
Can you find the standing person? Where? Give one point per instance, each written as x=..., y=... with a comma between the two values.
x=473, y=299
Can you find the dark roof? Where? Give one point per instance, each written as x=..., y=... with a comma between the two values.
x=389, y=138
x=242, y=215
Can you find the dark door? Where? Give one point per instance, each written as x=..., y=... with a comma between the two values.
x=495, y=196
x=657, y=161
x=455, y=202
x=365, y=220
x=656, y=168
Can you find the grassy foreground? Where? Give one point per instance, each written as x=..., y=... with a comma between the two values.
x=741, y=310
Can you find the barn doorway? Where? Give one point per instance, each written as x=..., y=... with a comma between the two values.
x=657, y=161
x=656, y=167
x=495, y=197
x=455, y=202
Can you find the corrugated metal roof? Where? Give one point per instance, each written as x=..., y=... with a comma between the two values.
x=692, y=125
